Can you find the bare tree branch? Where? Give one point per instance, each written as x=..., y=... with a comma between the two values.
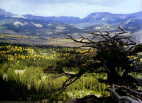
x=124, y=98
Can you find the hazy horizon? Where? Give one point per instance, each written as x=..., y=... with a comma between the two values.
x=80, y=8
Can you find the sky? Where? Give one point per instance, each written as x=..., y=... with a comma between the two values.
x=77, y=8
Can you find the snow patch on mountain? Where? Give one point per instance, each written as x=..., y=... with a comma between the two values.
x=37, y=25
x=18, y=23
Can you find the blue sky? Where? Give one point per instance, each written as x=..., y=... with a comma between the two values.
x=79, y=8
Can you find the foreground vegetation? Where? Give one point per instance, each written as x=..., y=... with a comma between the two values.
x=29, y=73
x=112, y=62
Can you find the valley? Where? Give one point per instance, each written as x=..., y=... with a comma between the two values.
x=66, y=59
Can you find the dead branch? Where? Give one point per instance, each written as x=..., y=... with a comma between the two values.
x=124, y=99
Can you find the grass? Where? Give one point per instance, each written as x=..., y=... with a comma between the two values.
x=25, y=66
x=37, y=40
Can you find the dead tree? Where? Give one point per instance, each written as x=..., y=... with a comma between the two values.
x=114, y=52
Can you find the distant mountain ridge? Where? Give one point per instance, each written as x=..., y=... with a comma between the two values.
x=57, y=26
x=61, y=19
x=4, y=13
x=93, y=17
x=129, y=21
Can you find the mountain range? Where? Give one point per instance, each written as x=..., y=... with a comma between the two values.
x=59, y=26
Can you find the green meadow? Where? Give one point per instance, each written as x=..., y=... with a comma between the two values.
x=35, y=73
